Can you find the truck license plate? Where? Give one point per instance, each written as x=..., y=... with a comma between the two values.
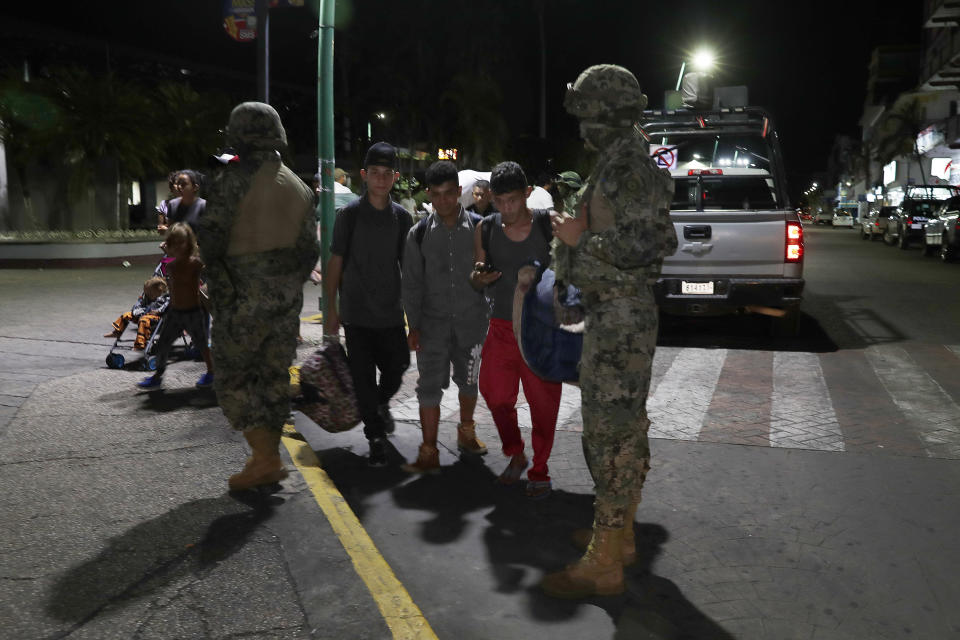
x=916, y=226
x=705, y=288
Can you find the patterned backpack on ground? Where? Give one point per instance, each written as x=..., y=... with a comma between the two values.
x=326, y=389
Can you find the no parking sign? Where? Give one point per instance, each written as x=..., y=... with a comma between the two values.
x=665, y=156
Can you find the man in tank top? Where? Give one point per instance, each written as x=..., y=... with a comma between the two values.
x=515, y=239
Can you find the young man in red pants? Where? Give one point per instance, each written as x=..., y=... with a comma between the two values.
x=515, y=238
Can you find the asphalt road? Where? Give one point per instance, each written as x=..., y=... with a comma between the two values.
x=801, y=488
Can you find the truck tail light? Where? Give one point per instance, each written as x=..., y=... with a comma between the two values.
x=704, y=172
x=909, y=219
x=793, y=251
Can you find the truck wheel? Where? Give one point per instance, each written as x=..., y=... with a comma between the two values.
x=788, y=326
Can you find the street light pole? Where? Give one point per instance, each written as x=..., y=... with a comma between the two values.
x=325, y=146
x=683, y=67
x=543, y=73
x=263, y=50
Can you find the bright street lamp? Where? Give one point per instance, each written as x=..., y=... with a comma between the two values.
x=703, y=60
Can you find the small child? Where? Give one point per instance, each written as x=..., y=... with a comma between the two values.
x=185, y=312
x=146, y=313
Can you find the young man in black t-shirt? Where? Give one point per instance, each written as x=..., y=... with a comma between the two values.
x=364, y=267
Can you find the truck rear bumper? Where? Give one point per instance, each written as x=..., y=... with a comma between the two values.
x=729, y=294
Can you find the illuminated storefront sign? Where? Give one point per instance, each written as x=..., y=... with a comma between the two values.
x=889, y=172
x=929, y=138
x=940, y=167
x=446, y=154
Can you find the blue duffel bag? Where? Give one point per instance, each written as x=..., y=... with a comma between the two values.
x=550, y=334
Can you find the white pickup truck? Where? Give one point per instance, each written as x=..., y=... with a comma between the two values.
x=740, y=242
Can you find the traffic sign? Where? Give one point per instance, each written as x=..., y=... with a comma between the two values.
x=240, y=17
x=665, y=156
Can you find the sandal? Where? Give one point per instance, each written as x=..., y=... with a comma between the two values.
x=513, y=471
x=538, y=489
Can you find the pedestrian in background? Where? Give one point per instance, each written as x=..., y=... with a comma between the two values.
x=482, y=199
x=188, y=207
x=612, y=250
x=516, y=236
x=567, y=185
x=342, y=194
x=541, y=196
x=447, y=317
x=364, y=267
x=259, y=241
x=185, y=312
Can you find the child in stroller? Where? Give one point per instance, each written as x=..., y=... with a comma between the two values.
x=146, y=313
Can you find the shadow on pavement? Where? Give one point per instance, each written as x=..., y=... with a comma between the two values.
x=450, y=495
x=524, y=534
x=356, y=480
x=188, y=540
x=749, y=331
x=173, y=399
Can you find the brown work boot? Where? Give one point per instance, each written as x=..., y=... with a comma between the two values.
x=598, y=573
x=467, y=440
x=581, y=537
x=265, y=465
x=428, y=460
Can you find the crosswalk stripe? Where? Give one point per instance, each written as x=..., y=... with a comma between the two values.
x=662, y=360
x=801, y=412
x=740, y=409
x=920, y=397
x=908, y=402
x=680, y=403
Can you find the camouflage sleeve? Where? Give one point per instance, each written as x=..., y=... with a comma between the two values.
x=642, y=234
x=216, y=223
x=307, y=247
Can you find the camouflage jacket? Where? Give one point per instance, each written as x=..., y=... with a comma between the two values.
x=227, y=272
x=626, y=201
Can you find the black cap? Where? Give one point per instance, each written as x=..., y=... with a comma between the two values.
x=382, y=154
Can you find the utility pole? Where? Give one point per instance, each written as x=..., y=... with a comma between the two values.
x=543, y=72
x=325, y=145
x=263, y=50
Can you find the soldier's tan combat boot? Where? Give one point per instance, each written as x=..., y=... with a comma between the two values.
x=467, y=440
x=265, y=465
x=598, y=573
x=428, y=461
x=582, y=537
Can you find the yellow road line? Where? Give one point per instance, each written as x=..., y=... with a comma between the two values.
x=404, y=618
x=314, y=318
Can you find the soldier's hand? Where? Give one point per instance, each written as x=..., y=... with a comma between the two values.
x=413, y=339
x=567, y=228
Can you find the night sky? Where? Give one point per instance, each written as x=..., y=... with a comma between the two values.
x=805, y=62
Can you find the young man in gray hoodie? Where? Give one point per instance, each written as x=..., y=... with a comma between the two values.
x=446, y=315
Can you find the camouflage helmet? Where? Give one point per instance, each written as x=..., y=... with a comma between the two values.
x=606, y=93
x=256, y=125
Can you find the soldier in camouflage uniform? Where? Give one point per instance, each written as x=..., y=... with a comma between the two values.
x=612, y=249
x=259, y=243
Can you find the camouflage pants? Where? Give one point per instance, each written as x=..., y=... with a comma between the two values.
x=254, y=342
x=618, y=347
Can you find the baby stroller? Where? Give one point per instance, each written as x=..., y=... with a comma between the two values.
x=115, y=358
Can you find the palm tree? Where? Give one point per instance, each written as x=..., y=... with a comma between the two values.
x=189, y=123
